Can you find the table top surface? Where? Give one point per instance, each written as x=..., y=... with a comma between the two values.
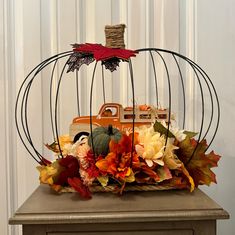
x=45, y=206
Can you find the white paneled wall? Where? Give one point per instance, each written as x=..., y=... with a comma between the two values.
x=33, y=30
x=215, y=36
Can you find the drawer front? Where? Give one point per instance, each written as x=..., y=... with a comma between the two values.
x=152, y=228
x=156, y=232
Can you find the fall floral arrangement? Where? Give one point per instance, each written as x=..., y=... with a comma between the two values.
x=153, y=155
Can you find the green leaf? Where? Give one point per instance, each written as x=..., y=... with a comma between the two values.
x=158, y=127
x=190, y=134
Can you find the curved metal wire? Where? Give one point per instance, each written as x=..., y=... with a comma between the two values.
x=133, y=107
x=77, y=93
x=91, y=95
x=21, y=103
x=209, y=83
x=51, y=84
x=204, y=76
x=24, y=116
x=23, y=112
x=169, y=96
x=202, y=118
x=56, y=108
x=183, y=90
x=24, y=122
x=103, y=85
x=155, y=76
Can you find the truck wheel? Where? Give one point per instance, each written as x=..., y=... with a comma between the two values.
x=80, y=136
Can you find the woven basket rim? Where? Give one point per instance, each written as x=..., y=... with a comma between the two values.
x=113, y=188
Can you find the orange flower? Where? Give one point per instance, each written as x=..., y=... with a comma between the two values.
x=108, y=164
x=118, y=162
x=116, y=165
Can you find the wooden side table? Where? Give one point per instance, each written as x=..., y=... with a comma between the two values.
x=135, y=213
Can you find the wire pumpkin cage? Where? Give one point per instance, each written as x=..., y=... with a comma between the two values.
x=62, y=64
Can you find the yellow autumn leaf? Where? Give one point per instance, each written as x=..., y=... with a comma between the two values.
x=130, y=176
x=103, y=180
x=46, y=174
x=190, y=179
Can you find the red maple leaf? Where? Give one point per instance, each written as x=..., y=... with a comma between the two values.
x=77, y=184
x=104, y=53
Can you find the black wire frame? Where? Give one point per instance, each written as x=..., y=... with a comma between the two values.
x=214, y=100
x=21, y=108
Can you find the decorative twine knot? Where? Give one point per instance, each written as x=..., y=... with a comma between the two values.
x=115, y=36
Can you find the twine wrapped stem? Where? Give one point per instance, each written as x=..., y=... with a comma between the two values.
x=115, y=36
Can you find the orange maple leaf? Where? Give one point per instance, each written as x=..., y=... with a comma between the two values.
x=175, y=182
x=197, y=162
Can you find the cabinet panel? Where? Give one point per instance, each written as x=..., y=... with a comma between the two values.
x=156, y=232
x=134, y=214
x=155, y=228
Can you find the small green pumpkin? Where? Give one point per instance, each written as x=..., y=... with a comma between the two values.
x=101, y=137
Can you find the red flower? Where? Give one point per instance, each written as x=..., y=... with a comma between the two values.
x=91, y=168
x=70, y=169
x=124, y=145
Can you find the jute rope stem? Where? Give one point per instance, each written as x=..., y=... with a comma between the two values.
x=115, y=36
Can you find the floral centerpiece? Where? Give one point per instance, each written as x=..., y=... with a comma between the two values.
x=153, y=156
x=145, y=157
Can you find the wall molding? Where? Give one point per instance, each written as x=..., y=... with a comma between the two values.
x=189, y=39
x=8, y=167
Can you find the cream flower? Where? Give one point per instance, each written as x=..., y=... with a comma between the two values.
x=179, y=134
x=151, y=147
x=70, y=149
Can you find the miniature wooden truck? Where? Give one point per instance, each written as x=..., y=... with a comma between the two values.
x=117, y=116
